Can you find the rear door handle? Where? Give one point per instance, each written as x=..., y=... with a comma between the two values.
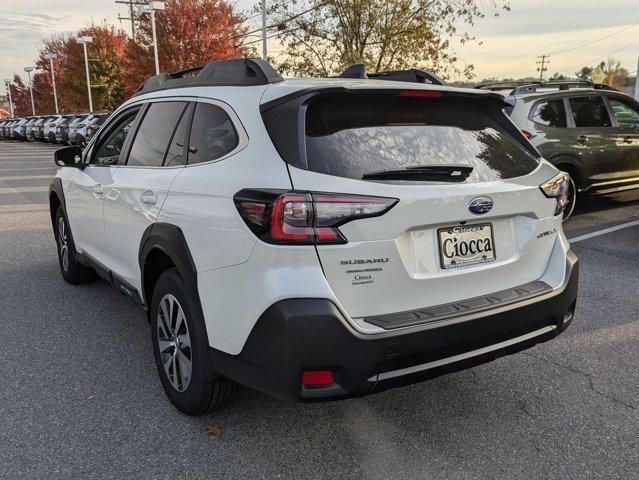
x=149, y=198
x=628, y=140
x=582, y=139
x=98, y=189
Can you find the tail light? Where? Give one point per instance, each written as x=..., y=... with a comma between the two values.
x=527, y=134
x=305, y=218
x=421, y=94
x=557, y=187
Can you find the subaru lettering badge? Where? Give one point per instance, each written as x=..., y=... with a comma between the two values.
x=480, y=205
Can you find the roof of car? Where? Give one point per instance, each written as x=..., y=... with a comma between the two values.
x=259, y=75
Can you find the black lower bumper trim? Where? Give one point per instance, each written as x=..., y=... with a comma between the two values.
x=295, y=335
x=458, y=309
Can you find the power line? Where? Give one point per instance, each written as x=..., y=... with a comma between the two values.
x=628, y=25
x=282, y=22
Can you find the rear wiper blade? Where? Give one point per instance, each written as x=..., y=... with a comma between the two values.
x=438, y=173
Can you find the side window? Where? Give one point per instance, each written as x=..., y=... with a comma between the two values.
x=152, y=139
x=550, y=113
x=212, y=134
x=109, y=150
x=175, y=153
x=626, y=114
x=589, y=112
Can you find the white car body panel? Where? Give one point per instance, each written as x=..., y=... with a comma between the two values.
x=239, y=276
x=84, y=192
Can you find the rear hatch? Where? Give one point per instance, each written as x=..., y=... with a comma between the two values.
x=469, y=210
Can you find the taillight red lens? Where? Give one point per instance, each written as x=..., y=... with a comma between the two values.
x=527, y=134
x=305, y=218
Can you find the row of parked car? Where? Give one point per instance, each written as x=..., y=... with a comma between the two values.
x=67, y=129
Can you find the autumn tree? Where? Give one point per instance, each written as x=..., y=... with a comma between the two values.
x=322, y=38
x=189, y=33
x=105, y=55
x=20, y=97
x=615, y=75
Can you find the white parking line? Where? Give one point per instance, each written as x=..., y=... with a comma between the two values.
x=580, y=238
x=24, y=177
x=23, y=189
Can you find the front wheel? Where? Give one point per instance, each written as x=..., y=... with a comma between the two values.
x=72, y=271
x=572, y=199
x=179, y=344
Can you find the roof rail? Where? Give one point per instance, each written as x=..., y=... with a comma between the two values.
x=526, y=88
x=413, y=75
x=239, y=72
x=506, y=85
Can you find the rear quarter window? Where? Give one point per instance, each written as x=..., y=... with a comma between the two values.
x=550, y=113
x=349, y=135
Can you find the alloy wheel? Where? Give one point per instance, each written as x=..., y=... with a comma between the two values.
x=174, y=343
x=63, y=244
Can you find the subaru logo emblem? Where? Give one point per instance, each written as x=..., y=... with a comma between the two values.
x=480, y=205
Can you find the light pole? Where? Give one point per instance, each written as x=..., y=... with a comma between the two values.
x=51, y=57
x=7, y=82
x=84, y=41
x=264, y=30
x=29, y=70
x=151, y=8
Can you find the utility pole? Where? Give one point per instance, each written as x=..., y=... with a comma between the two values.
x=131, y=16
x=264, y=52
x=543, y=62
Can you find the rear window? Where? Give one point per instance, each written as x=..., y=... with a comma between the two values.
x=351, y=135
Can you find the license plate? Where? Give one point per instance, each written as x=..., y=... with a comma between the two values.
x=464, y=245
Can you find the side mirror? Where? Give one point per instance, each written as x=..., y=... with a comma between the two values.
x=68, y=157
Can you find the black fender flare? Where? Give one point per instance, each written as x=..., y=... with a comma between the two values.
x=171, y=241
x=56, y=187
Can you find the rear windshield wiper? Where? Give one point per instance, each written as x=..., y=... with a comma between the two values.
x=437, y=173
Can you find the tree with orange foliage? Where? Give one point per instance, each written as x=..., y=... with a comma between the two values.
x=20, y=97
x=106, y=62
x=189, y=33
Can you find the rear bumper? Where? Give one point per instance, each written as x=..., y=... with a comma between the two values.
x=301, y=334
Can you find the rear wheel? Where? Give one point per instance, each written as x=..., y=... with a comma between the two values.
x=72, y=271
x=179, y=344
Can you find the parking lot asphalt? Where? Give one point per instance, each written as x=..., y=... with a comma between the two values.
x=80, y=396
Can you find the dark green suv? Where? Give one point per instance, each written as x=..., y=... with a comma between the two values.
x=589, y=130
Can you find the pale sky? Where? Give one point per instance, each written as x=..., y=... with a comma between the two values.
x=573, y=32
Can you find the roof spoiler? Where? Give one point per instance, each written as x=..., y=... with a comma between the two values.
x=241, y=72
x=412, y=75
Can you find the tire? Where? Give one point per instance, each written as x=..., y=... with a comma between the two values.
x=572, y=191
x=572, y=200
x=180, y=340
x=72, y=271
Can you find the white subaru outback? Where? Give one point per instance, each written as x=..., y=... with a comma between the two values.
x=317, y=238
